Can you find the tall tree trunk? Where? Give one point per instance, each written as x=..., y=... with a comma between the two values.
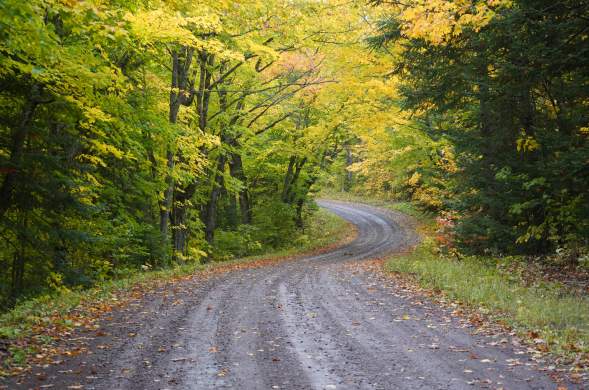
x=166, y=203
x=181, y=94
x=245, y=207
x=299, y=215
x=288, y=179
x=180, y=231
x=293, y=172
x=232, y=217
x=203, y=96
x=299, y=220
x=236, y=171
x=210, y=214
x=183, y=195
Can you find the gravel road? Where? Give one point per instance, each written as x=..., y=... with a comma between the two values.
x=321, y=322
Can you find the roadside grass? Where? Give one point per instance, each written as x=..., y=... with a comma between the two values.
x=33, y=325
x=546, y=314
x=30, y=318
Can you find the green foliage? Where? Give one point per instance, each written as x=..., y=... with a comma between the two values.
x=504, y=86
x=239, y=243
x=277, y=221
x=132, y=132
x=146, y=134
x=275, y=232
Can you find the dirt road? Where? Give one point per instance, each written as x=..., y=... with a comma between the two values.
x=321, y=322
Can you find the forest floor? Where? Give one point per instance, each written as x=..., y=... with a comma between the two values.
x=333, y=320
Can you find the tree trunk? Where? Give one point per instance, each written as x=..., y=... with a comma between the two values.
x=299, y=217
x=180, y=231
x=166, y=203
x=183, y=195
x=232, y=217
x=288, y=179
x=237, y=172
x=181, y=94
x=292, y=176
x=299, y=221
x=245, y=207
x=210, y=215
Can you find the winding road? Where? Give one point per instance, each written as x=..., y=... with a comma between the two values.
x=328, y=321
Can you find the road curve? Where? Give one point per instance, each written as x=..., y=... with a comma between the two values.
x=320, y=322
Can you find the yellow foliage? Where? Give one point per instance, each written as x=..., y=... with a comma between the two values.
x=105, y=149
x=527, y=143
x=197, y=30
x=94, y=160
x=414, y=180
x=437, y=21
x=428, y=197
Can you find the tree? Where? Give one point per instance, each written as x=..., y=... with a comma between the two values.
x=496, y=79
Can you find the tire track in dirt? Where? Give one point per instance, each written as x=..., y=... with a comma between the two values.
x=316, y=322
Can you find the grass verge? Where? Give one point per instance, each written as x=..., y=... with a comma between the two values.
x=545, y=314
x=29, y=331
x=552, y=318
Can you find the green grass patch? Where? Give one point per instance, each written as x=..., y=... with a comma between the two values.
x=27, y=318
x=558, y=317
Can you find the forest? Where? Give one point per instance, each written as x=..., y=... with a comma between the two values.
x=141, y=134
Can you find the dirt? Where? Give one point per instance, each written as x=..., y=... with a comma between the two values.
x=318, y=322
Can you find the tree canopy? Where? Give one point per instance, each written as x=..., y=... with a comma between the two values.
x=144, y=133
